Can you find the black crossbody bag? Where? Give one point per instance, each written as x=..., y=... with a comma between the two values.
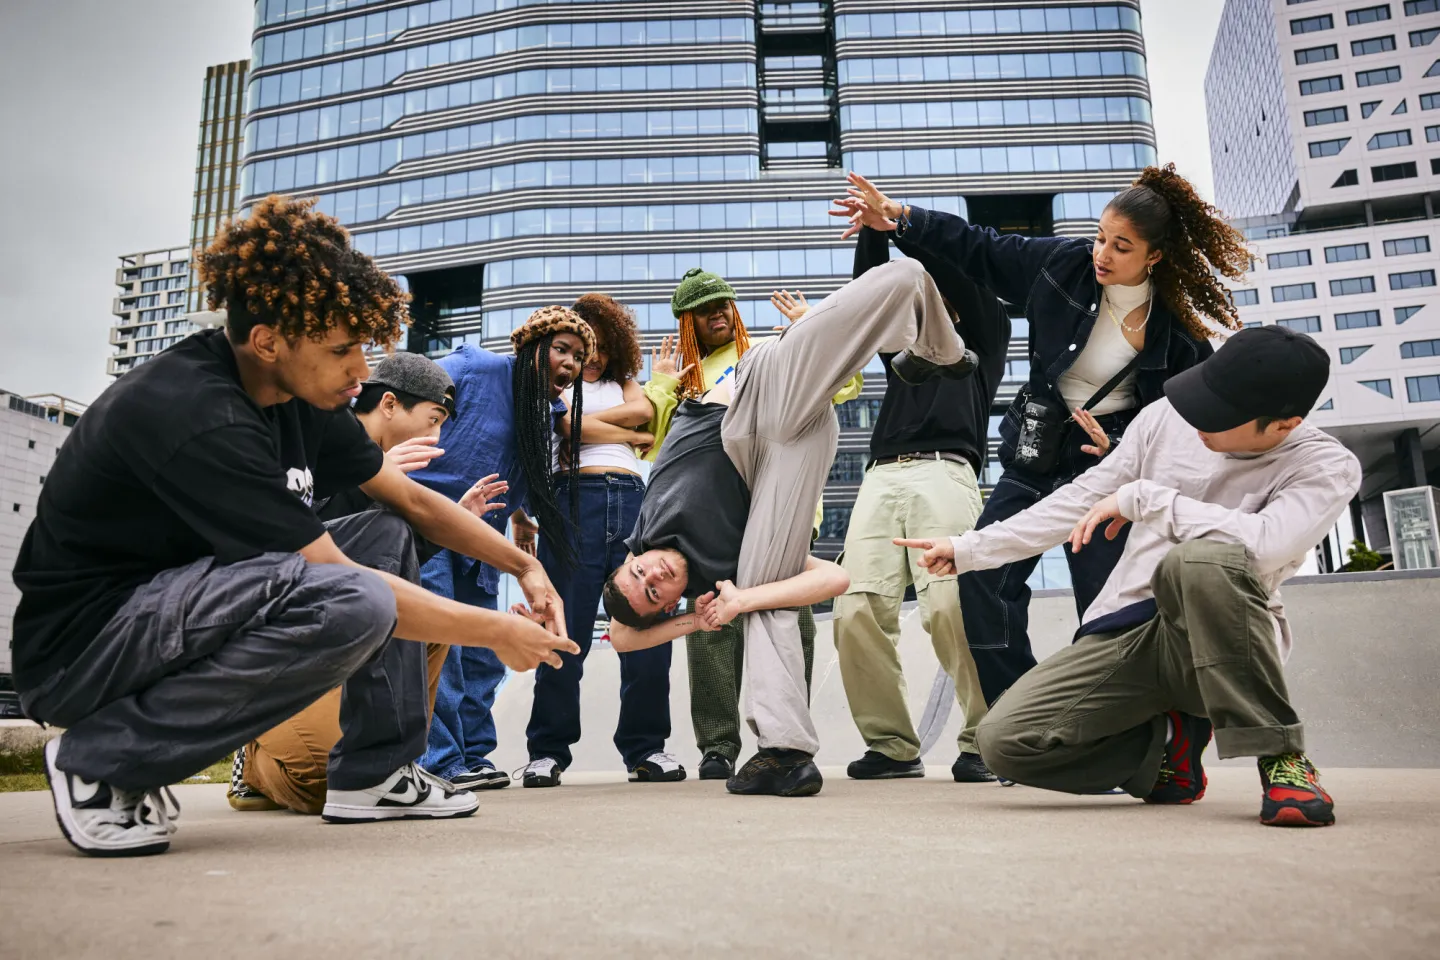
x=1045, y=424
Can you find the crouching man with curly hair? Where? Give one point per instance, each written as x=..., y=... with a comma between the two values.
x=179, y=596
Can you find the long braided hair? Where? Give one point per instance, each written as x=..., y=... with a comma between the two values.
x=1196, y=243
x=694, y=383
x=535, y=443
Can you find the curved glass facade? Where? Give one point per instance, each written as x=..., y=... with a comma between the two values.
x=503, y=154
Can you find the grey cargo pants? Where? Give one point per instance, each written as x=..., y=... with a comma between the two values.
x=780, y=432
x=205, y=658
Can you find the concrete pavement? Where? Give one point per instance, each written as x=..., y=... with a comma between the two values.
x=602, y=868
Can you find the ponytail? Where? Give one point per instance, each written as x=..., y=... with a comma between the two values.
x=1194, y=242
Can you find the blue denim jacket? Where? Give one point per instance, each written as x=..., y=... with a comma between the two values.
x=1053, y=280
x=479, y=440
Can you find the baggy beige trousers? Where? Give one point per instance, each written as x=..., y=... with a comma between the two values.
x=920, y=498
x=780, y=432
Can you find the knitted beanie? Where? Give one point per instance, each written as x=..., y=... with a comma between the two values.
x=699, y=287
x=551, y=320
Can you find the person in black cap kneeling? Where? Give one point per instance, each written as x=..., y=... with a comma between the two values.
x=1227, y=489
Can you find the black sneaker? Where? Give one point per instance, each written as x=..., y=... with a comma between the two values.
x=1182, y=779
x=780, y=773
x=969, y=768
x=659, y=767
x=542, y=772
x=916, y=370
x=486, y=778
x=105, y=821
x=876, y=766
x=715, y=766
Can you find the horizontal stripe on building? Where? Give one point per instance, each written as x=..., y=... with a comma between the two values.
x=589, y=57
x=1087, y=41
x=1069, y=87
x=922, y=6
x=1009, y=136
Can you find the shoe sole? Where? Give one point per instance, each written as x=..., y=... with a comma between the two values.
x=348, y=814
x=1295, y=817
x=537, y=782
x=807, y=789
x=715, y=776
x=260, y=804
x=60, y=795
x=889, y=775
x=640, y=776
x=496, y=784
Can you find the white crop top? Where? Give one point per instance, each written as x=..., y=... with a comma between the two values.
x=597, y=397
x=1106, y=353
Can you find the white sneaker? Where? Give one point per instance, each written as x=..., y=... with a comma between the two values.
x=105, y=821
x=659, y=767
x=406, y=794
x=544, y=772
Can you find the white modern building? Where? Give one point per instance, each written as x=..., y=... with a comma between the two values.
x=31, y=431
x=149, y=308
x=1325, y=138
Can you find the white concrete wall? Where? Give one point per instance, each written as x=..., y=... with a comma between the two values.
x=28, y=446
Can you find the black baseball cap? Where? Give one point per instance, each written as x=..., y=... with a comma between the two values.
x=1260, y=372
x=418, y=376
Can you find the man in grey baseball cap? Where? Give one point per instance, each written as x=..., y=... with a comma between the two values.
x=418, y=376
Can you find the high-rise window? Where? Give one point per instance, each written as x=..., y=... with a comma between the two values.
x=1293, y=291
x=1389, y=139
x=1367, y=15
x=1357, y=320
x=1407, y=245
x=1381, y=387
x=1290, y=258
x=1245, y=298
x=1419, y=349
x=1351, y=286
x=1351, y=354
x=1321, y=85
x=1412, y=279
x=1394, y=171
x=1347, y=252
x=1312, y=24
x=1375, y=78
x=1361, y=48
x=1317, y=54
x=1328, y=148
x=1422, y=389
x=1316, y=118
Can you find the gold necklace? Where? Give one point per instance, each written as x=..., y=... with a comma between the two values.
x=1121, y=323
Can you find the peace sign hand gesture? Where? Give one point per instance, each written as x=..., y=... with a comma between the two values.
x=666, y=360
x=866, y=206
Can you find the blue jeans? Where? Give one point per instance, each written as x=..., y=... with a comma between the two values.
x=609, y=506
x=995, y=604
x=462, y=731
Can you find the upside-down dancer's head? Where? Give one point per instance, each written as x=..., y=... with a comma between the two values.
x=704, y=304
x=646, y=587
x=300, y=304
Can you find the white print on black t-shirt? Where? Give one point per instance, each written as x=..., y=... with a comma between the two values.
x=302, y=484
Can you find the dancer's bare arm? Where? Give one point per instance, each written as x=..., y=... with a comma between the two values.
x=820, y=581
x=520, y=643
x=627, y=639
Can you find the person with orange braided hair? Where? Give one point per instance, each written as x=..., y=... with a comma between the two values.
x=712, y=339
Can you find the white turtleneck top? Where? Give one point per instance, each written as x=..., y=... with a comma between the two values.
x=1105, y=354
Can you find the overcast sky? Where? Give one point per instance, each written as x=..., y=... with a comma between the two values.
x=101, y=108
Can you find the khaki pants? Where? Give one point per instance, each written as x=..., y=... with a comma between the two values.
x=287, y=763
x=780, y=433
x=1091, y=717
x=913, y=498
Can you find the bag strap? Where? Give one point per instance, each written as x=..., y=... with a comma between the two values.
x=1113, y=382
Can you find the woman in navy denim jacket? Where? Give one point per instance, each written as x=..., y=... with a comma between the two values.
x=1091, y=313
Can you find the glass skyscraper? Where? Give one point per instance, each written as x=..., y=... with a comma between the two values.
x=217, y=160
x=503, y=154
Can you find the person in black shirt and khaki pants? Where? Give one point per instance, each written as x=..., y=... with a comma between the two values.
x=925, y=453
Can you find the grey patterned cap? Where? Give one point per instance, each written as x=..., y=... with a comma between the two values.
x=418, y=376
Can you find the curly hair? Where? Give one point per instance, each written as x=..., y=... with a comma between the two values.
x=690, y=350
x=1194, y=240
x=614, y=327
x=292, y=268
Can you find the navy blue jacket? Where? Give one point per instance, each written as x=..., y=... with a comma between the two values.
x=1053, y=280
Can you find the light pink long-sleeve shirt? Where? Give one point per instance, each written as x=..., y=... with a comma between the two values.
x=1278, y=505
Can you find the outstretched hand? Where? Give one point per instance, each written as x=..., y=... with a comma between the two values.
x=666, y=360
x=478, y=498
x=938, y=556
x=414, y=454
x=1107, y=509
x=865, y=206
x=793, y=307
x=1087, y=422
x=531, y=644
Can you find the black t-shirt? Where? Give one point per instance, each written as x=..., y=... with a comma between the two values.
x=173, y=463
x=948, y=415
x=695, y=501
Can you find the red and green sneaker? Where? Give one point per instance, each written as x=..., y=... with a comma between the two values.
x=1293, y=795
x=1182, y=779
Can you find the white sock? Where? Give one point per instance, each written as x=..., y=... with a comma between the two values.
x=1169, y=729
